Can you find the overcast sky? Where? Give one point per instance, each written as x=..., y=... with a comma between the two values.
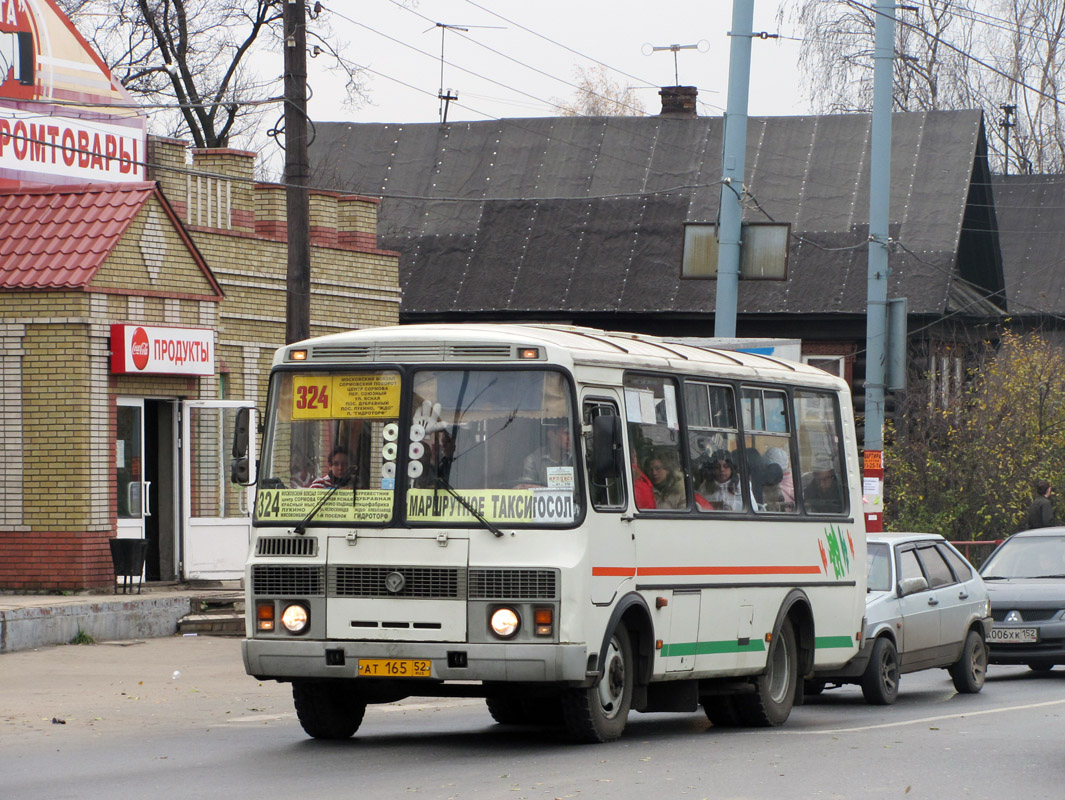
x=518, y=56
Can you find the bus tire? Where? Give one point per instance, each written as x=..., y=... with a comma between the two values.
x=599, y=713
x=880, y=683
x=328, y=710
x=770, y=703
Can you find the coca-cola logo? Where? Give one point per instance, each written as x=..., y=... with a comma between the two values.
x=138, y=348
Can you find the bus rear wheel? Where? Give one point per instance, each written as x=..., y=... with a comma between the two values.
x=328, y=710
x=599, y=713
x=770, y=703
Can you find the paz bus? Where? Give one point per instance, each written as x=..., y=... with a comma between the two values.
x=571, y=523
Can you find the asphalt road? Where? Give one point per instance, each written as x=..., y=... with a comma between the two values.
x=177, y=718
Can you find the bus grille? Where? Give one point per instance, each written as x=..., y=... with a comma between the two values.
x=422, y=582
x=286, y=546
x=513, y=584
x=282, y=580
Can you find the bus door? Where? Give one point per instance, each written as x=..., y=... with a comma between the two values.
x=611, y=547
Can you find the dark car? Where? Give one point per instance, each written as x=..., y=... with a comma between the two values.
x=926, y=608
x=1025, y=579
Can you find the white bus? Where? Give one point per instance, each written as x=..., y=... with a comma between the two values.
x=568, y=522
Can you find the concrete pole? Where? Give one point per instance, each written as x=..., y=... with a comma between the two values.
x=297, y=175
x=733, y=157
x=876, y=308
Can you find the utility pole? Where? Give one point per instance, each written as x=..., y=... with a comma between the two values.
x=879, y=243
x=734, y=154
x=1008, y=111
x=297, y=174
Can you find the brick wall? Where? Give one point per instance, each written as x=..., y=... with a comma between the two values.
x=57, y=432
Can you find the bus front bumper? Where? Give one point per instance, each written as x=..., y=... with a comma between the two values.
x=289, y=659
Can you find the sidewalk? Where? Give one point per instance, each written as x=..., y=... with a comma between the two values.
x=31, y=621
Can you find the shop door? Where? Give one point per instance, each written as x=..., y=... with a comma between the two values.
x=131, y=486
x=217, y=522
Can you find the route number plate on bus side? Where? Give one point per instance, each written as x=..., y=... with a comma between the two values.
x=1014, y=635
x=394, y=668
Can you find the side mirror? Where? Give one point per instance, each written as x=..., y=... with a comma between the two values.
x=242, y=433
x=240, y=466
x=240, y=471
x=606, y=447
x=908, y=586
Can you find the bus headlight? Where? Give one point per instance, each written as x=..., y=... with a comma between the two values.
x=295, y=618
x=505, y=622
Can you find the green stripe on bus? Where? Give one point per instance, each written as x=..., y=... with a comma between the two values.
x=833, y=641
x=755, y=646
x=711, y=648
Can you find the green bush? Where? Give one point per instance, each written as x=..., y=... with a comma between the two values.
x=962, y=463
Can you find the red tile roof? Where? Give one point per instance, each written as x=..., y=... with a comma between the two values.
x=57, y=238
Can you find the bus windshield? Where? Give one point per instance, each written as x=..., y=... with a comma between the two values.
x=490, y=445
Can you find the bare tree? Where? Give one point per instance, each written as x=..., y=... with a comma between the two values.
x=949, y=54
x=193, y=60
x=599, y=96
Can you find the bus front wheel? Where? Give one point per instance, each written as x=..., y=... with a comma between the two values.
x=599, y=713
x=774, y=690
x=328, y=710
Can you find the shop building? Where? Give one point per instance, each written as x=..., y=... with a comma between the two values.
x=138, y=309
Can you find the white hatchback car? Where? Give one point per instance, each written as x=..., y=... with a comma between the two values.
x=926, y=607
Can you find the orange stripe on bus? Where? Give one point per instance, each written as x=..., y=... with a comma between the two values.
x=627, y=572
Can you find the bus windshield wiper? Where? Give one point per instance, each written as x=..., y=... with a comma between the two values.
x=301, y=526
x=440, y=482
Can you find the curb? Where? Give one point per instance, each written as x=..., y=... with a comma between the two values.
x=129, y=618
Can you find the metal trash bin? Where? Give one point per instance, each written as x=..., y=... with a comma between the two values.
x=127, y=557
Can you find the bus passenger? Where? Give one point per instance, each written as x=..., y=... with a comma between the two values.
x=822, y=492
x=555, y=452
x=643, y=491
x=667, y=479
x=722, y=483
x=340, y=472
x=779, y=495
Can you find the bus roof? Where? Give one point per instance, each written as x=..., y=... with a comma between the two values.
x=499, y=342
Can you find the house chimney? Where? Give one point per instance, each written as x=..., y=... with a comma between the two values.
x=678, y=101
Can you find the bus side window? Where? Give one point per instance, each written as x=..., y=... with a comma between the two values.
x=652, y=408
x=824, y=480
x=767, y=449
x=713, y=446
x=608, y=495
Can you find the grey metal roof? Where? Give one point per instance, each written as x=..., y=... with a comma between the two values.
x=1031, y=221
x=582, y=214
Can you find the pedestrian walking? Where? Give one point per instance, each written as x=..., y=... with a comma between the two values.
x=1041, y=512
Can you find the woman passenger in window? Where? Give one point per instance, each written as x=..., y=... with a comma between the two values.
x=721, y=485
x=663, y=468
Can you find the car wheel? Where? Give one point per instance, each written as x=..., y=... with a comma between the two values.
x=328, y=710
x=880, y=683
x=969, y=671
x=720, y=709
x=525, y=710
x=774, y=690
x=505, y=710
x=1041, y=666
x=599, y=713
x=813, y=687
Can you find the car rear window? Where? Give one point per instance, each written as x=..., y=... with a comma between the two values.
x=962, y=568
x=935, y=567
